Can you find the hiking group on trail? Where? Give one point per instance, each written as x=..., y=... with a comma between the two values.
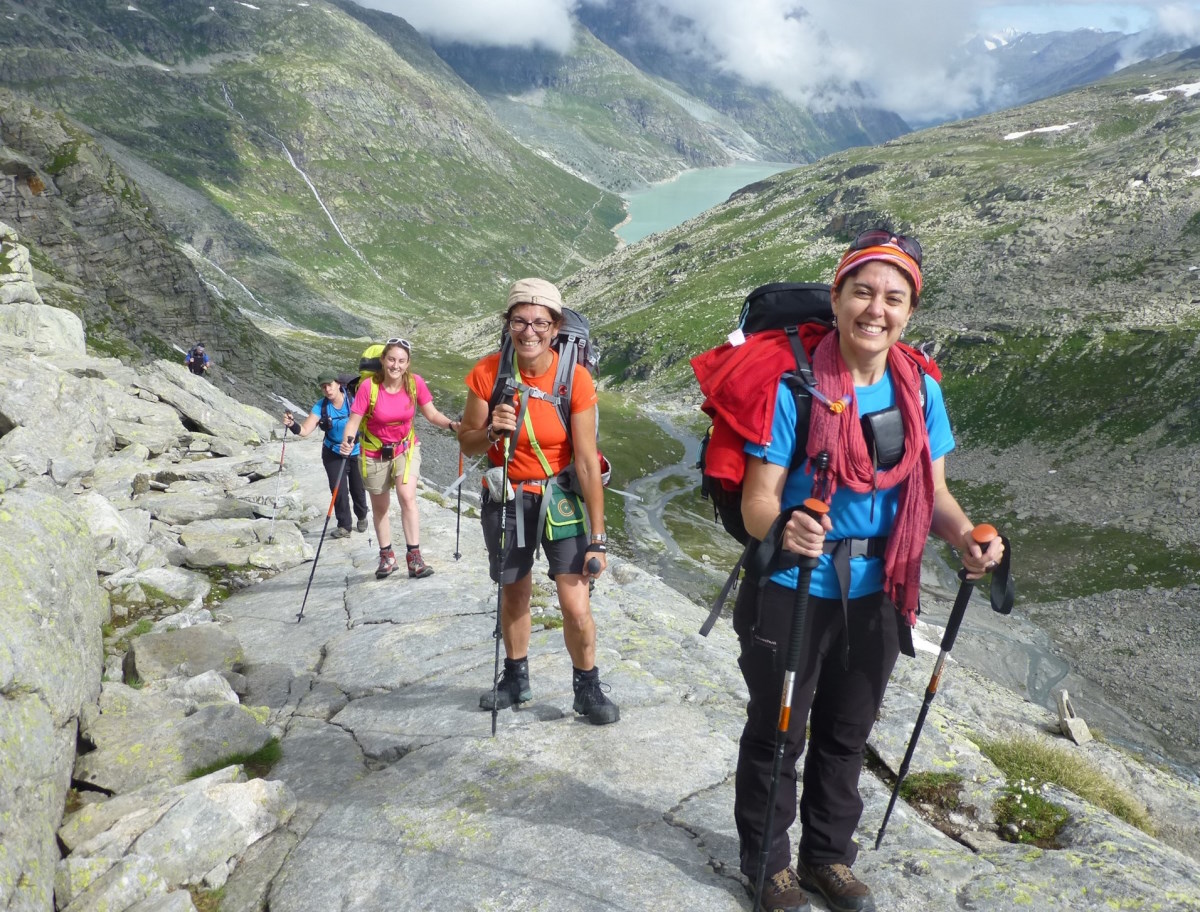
x=826, y=458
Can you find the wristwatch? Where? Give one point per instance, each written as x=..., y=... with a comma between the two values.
x=600, y=538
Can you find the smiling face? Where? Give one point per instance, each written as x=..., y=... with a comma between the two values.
x=531, y=345
x=872, y=306
x=394, y=361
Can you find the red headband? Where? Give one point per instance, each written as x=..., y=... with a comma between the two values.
x=889, y=253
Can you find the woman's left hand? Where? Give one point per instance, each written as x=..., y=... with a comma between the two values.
x=601, y=560
x=978, y=561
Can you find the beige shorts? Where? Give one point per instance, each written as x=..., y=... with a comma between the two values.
x=381, y=474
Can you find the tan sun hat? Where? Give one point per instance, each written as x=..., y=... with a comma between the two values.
x=535, y=291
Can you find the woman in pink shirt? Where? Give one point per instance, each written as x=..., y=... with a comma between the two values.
x=391, y=453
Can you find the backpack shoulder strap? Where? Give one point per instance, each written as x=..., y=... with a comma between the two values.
x=564, y=380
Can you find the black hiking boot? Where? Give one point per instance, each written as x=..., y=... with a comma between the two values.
x=782, y=893
x=837, y=883
x=591, y=699
x=512, y=688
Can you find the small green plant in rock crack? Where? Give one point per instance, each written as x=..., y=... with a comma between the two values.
x=1025, y=815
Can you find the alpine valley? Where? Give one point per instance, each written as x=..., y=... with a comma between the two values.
x=288, y=181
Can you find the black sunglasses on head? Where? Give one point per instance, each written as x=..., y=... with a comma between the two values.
x=880, y=237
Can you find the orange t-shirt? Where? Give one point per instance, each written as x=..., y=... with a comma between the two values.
x=549, y=430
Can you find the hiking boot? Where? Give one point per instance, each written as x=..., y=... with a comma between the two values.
x=837, y=883
x=387, y=563
x=591, y=698
x=339, y=532
x=417, y=566
x=782, y=893
x=512, y=688
x=362, y=524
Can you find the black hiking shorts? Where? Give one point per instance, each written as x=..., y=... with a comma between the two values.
x=565, y=556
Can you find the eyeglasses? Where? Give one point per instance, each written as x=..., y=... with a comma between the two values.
x=517, y=325
x=880, y=237
x=403, y=343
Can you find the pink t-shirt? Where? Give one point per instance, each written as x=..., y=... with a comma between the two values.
x=394, y=412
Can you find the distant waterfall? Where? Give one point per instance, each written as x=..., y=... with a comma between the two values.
x=311, y=186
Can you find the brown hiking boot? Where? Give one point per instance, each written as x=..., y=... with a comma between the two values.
x=837, y=883
x=387, y=563
x=417, y=566
x=782, y=893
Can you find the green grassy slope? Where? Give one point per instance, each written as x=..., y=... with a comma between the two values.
x=438, y=205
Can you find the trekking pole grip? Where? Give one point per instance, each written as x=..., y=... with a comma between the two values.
x=982, y=535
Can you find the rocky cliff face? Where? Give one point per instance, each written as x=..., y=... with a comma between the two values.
x=119, y=486
x=102, y=253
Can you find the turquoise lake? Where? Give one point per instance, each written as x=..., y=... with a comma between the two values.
x=669, y=203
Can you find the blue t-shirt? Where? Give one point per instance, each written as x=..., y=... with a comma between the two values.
x=338, y=418
x=850, y=511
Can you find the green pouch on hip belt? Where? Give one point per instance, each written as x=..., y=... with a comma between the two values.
x=564, y=514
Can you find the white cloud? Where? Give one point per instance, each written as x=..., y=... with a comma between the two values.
x=511, y=23
x=1180, y=20
x=902, y=57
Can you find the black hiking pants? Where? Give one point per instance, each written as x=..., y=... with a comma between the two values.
x=352, y=480
x=842, y=702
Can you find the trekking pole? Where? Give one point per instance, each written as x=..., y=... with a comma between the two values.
x=278, y=484
x=510, y=392
x=982, y=535
x=804, y=568
x=458, y=518
x=328, y=513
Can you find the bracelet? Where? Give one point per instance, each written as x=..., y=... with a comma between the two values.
x=492, y=436
x=597, y=548
x=451, y=425
x=600, y=538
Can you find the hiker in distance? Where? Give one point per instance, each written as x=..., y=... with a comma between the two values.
x=330, y=413
x=528, y=451
x=197, y=360
x=884, y=500
x=385, y=407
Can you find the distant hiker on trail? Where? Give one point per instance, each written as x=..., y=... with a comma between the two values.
x=197, y=360
x=391, y=452
x=525, y=439
x=884, y=497
x=330, y=413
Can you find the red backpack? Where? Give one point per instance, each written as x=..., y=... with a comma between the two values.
x=780, y=327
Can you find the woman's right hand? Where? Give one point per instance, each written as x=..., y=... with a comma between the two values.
x=346, y=446
x=504, y=419
x=288, y=419
x=805, y=535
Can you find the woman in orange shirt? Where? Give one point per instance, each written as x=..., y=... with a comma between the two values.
x=541, y=449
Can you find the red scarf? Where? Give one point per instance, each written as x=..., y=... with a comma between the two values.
x=838, y=433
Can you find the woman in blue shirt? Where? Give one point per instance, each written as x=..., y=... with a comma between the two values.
x=331, y=413
x=864, y=590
